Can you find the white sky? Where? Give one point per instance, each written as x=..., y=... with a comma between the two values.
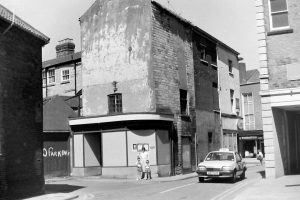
x=231, y=21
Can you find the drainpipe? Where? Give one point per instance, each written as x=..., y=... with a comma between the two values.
x=9, y=27
x=75, y=79
x=46, y=82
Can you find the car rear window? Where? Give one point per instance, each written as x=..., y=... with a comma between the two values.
x=220, y=156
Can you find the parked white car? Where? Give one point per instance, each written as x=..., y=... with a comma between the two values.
x=222, y=164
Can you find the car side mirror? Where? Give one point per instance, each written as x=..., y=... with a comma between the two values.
x=201, y=160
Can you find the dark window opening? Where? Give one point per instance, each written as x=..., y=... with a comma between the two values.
x=115, y=103
x=183, y=102
x=230, y=66
x=215, y=85
x=209, y=137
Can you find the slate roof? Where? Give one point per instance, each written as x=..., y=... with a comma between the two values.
x=9, y=16
x=62, y=60
x=56, y=113
x=252, y=76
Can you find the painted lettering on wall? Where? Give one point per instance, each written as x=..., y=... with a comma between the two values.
x=50, y=152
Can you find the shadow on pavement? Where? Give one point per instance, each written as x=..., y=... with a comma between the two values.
x=221, y=180
x=262, y=173
x=297, y=185
x=60, y=188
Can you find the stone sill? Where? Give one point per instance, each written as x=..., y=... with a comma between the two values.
x=279, y=32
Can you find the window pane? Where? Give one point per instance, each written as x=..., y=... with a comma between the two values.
x=249, y=97
x=278, y=5
x=280, y=20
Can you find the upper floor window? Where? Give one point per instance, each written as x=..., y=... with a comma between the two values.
x=230, y=66
x=278, y=14
x=44, y=78
x=232, y=100
x=51, y=76
x=65, y=75
x=248, y=111
x=115, y=103
x=183, y=102
x=202, y=52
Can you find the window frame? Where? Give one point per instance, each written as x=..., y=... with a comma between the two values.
x=183, y=101
x=277, y=12
x=248, y=115
x=62, y=75
x=230, y=67
x=44, y=77
x=49, y=77
x=232, y=100
x=117, y=107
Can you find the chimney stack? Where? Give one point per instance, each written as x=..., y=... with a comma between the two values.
x=65, y=47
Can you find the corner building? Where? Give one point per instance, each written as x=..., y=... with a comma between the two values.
x=278, y=26
x=149, y=79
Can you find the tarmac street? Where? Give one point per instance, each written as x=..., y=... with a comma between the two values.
x=160, y=188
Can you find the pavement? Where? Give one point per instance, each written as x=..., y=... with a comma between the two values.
x=283, y=188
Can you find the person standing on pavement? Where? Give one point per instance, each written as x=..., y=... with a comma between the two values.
x=139, y=168
x=260, y=157
x=148, y=170
x=144, y=155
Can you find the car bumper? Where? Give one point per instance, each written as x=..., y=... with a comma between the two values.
x=219, y=174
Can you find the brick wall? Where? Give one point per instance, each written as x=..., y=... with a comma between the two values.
x=283, y=49
x=21, y=111
x=173, y=69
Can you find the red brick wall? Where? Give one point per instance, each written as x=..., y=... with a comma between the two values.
x=21, y=111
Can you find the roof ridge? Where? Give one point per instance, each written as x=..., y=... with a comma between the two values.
x=10, y=17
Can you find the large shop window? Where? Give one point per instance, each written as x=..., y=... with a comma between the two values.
x=248, y=107
x=114, y=149
x=115, y=103
x=278, y=14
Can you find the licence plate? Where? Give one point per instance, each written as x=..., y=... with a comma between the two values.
x=213, y=173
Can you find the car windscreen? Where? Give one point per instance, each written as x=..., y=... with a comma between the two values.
x=213, y=156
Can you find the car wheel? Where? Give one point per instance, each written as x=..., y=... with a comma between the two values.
x=243, y=175
x=233, y=178
x=201, y=179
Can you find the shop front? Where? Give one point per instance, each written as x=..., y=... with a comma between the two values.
x=109, y=145
x=250, y=143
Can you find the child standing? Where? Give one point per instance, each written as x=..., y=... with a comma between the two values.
x=148, y=170
x=139, y=168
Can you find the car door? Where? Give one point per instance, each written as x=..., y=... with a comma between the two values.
x=239, y=164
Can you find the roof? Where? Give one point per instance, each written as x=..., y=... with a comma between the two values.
x=65, y=59
x=10, y=17
x=56, y=113
x=252, y=76
x=195, y=28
